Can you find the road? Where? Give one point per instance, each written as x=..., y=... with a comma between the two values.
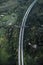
x=20, y=49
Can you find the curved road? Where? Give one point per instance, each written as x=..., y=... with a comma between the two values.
x=20, y=49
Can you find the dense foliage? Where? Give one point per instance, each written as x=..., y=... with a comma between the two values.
x=11, y=14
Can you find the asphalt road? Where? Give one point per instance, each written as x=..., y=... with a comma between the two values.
x=22, y=33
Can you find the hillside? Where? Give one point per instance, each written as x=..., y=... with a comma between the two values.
x=11, y=15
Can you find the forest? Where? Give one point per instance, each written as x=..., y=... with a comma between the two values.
x=11, y=15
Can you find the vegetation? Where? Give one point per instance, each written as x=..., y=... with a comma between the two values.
x=11, y=14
